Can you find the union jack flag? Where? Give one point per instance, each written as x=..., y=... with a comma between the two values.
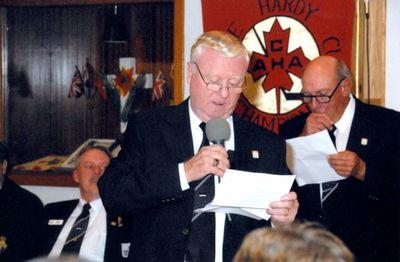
x=158, y=90
x=77, y=88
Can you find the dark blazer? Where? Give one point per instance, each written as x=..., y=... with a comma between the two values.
x=21, y=217
x=365, y=214
x=118, y=230
x=144, y=180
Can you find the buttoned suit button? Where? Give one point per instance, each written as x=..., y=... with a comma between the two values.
x=373, y=198
x=185, y=231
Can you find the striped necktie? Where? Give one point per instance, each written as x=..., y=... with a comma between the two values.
x=329, y=187
x=201, y=244
x=73, y=242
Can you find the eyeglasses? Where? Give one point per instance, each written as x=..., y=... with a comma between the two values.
x=320, y=98
x=236, y=87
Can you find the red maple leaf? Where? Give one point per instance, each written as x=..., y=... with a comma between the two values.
x=276, y=63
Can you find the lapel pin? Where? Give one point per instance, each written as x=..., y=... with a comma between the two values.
x=255, y=154
x=117, y=222
x=3, y=243
x=364, y=141
x=55, y=222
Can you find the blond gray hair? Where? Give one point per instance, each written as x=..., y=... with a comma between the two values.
x=297, y=242
x=224, y=43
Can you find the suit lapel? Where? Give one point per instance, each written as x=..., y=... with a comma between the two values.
x=359, y=131
x=178, y=135
x=246, y=148
x=56, y=219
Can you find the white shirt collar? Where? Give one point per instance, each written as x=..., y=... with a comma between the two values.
x=197, y=133
x=345, y=121
x=96, y=205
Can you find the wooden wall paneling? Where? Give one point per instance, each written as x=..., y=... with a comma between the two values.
x=45, y=44
x=377, y=51
x=153, y=47
x=179, y=63
x=358, y=49
x=2, y=79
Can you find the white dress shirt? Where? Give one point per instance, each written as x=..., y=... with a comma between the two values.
x=343, y=127
x=197, y=136
x=94, y=242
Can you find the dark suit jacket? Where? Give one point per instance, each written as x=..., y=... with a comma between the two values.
x=144, y=180
x=21, y=217
x=118, y=231
x=365, y=214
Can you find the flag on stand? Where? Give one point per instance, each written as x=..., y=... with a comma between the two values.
x=158, y=90
x=89, y=79
x=76, y=89
x=100, y=86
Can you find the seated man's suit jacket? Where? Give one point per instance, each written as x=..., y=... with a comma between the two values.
x=21, y=218
x=365, y=214
x=144, y=180
x=118, y=229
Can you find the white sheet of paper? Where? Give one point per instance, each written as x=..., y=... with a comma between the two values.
x=307, y=158
x=248, y=194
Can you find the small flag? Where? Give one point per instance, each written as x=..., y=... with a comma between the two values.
x=101, y=87
x=89, y=79
x=76, y=89
x=158, y=89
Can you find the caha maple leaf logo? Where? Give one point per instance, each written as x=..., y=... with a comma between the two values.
x=276, y=62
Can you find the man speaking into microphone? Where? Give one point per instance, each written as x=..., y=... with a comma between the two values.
x=168, y=168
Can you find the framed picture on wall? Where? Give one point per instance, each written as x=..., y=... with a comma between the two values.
x=107, y=143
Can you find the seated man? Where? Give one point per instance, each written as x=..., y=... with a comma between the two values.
x=82, y=226
x=21, y=216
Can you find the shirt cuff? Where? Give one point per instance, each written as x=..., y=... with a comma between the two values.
x=182, y=177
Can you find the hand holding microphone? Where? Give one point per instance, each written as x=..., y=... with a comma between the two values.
x=211, y=159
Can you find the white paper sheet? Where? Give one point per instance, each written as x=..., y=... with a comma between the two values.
x=248, y=194
x=307, y=158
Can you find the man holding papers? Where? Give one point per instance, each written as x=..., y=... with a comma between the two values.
x=363, y=208
x=165, y=161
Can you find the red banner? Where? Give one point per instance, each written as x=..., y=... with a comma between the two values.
x=282, y=36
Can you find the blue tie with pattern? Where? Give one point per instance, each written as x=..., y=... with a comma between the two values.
x=73, y=242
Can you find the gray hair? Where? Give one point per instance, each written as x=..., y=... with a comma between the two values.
x=343, y=71
x=91, y=147
x=226, y=44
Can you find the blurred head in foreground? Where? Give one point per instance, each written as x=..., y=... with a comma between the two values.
x=306, y=242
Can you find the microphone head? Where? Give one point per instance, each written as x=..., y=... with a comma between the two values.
x=218, y=130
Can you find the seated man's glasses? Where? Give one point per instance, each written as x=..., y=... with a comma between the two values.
x=306, y=98
x=233, y=85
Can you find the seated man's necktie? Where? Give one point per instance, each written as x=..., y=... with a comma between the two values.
x=73, y=242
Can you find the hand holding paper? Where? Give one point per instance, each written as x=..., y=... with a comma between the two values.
x=248, y=194
x=307, y=158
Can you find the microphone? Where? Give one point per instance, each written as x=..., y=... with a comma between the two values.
x=217, y=131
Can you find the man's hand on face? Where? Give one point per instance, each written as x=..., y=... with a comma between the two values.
x=315, y=123
x=285, y=210
x=211, y=159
